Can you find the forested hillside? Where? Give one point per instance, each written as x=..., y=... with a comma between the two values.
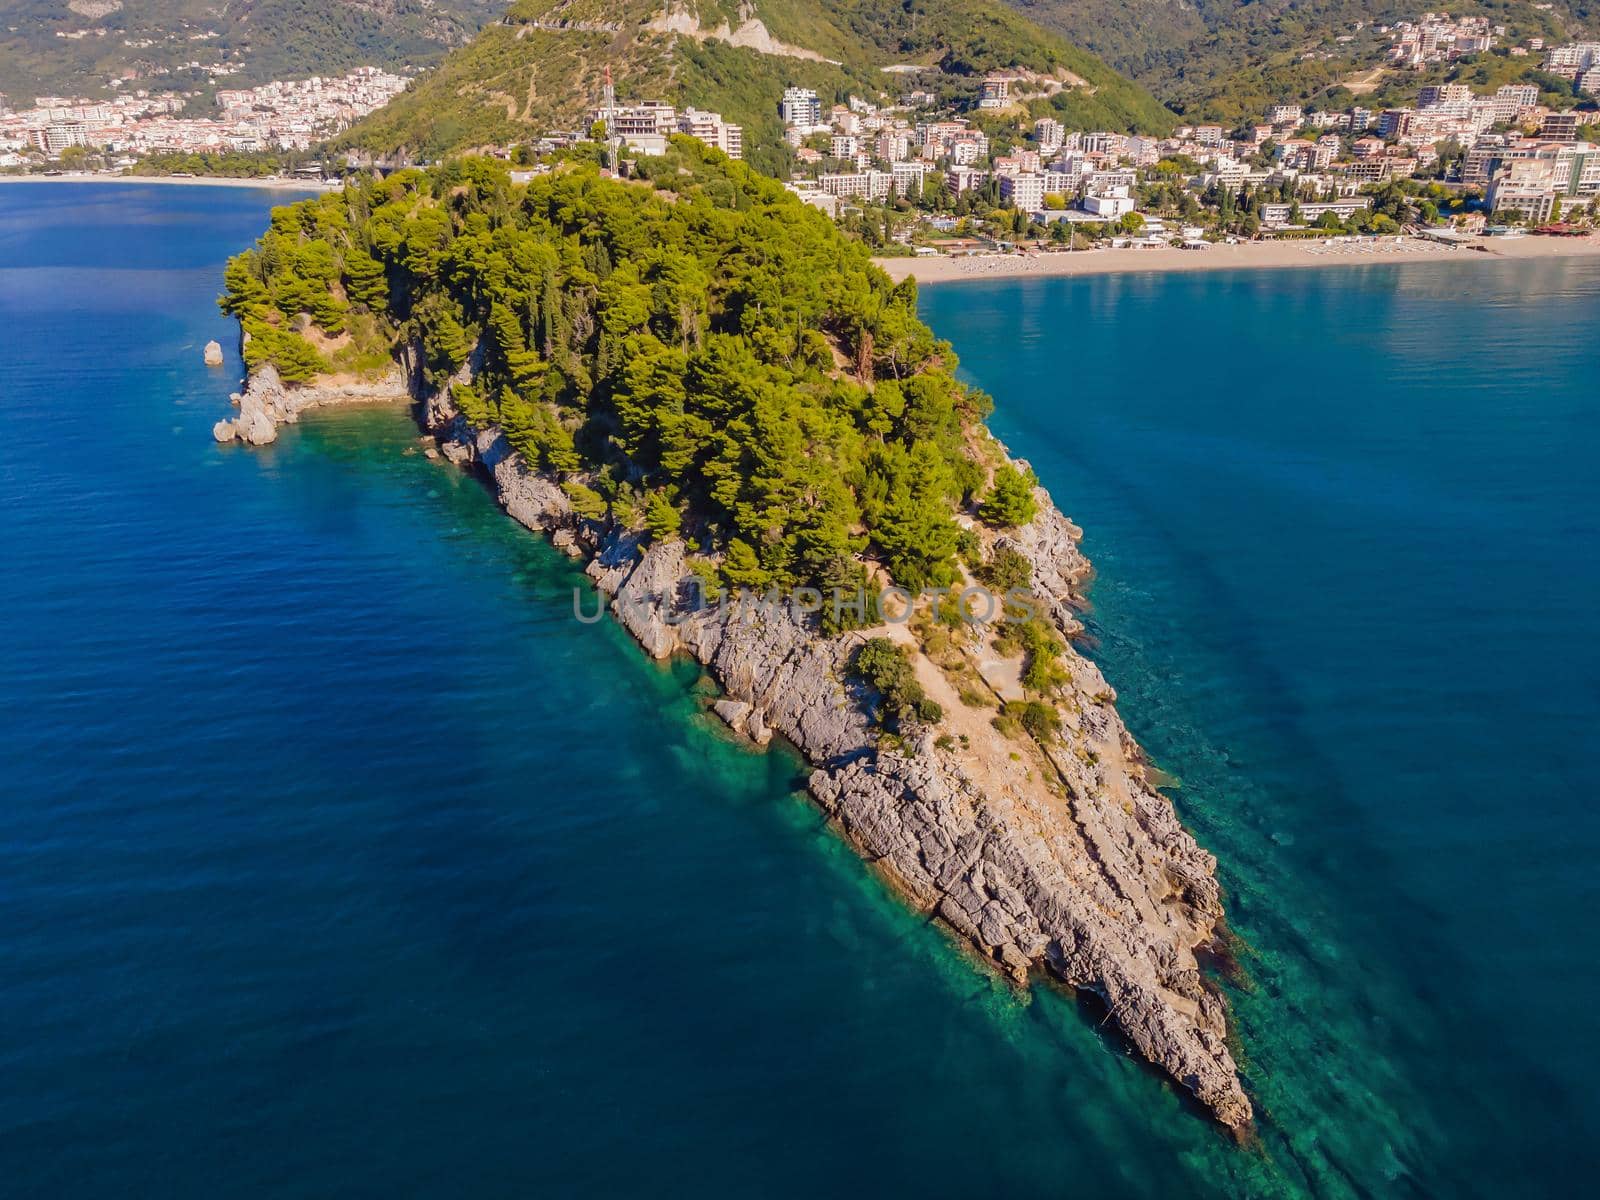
x=1217, y=59
x=701, y=355
x=542, y=66
x=77, y=47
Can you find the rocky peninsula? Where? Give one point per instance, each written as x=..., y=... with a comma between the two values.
x=699, y=388
x=1060, y=859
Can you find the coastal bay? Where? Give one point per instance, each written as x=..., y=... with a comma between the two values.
x=337, y=593
x=294, y=187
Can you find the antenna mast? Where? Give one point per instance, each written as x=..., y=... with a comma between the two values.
x=609, y=108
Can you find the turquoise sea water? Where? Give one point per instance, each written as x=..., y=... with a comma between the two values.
x=337, y=859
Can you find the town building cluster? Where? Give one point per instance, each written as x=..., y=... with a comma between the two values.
x=275, y=116
x=1528, y=160
x=644, y=128
x=1577, y=61
x=1439, y=38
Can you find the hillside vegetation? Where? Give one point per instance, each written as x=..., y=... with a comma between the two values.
x=1215, y=59
x=51, y=47
x=542, y=67
x=700, y=354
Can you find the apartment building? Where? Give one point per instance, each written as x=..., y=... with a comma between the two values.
x=1023, y=191
x=800, y=108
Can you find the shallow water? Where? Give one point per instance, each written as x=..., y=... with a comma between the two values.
x=1346, y=532
x=338, y=859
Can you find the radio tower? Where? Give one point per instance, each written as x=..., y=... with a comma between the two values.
x=608, y=106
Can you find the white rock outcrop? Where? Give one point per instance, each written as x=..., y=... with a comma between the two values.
x=268, y=402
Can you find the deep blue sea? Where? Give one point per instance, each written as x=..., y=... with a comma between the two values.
x=336, y=858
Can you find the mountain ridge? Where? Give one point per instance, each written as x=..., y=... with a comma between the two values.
x=1222, y=60
x=541, y=66
x=77, y=47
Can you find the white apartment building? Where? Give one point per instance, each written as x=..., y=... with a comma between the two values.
x=1225, y=170
x=1527, y=188
x=1570, y=168
x=711, y=129
x=1277, y=213
x=1440, y=95
x=650, y=119
x=1109, y=182
x=892, y=145
x=1103, y=143
x=968, y=151
x=964, y=179
x=800, y=107
x=1025, y=192
x=1513, y=101
x=995, y=91
x=817, y=199
x=58, y=135
x=1144, y=151
x=872, y=185
x=907, y=176
x=1110, y=207
x=1575, y=56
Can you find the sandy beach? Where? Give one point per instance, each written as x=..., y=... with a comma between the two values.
x=1253, y=255
x=266, y=185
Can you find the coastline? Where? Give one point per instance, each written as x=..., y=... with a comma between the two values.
x=1244, y=256
x=265, y=185
x=1052, y=857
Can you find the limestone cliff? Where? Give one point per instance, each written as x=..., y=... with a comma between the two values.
x=1059, y=857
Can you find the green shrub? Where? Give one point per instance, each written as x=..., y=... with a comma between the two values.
x=586, y=502
x=1041, y=721
x=1008, y=569
x=887, y=668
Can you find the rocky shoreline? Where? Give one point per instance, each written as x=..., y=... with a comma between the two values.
x=268, y=402
x=1062, y=859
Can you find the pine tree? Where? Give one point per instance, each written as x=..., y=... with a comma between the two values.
x=366, y=281
x=1010, y=500
x=246, y=294
x=661, y=517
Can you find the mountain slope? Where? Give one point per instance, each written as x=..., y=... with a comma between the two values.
x=542, y=66
x=77, y=47
x=1225, y=60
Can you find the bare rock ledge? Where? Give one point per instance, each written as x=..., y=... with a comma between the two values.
x=268, y=402
x=1069, y=863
